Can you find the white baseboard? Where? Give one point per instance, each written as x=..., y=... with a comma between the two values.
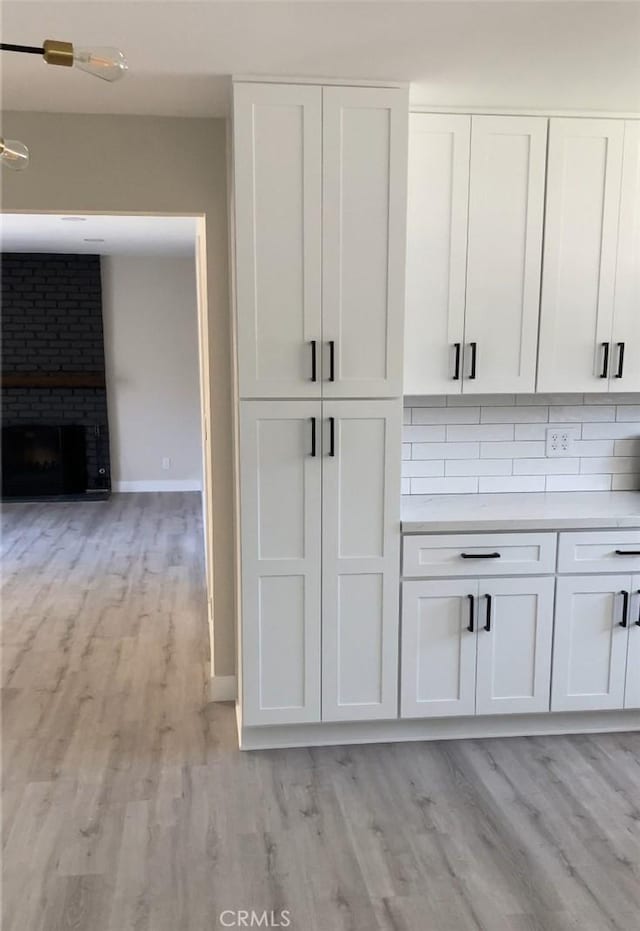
x=270, y=737
x=222, y=688
x=175, y=484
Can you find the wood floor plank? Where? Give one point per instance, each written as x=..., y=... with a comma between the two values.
x=128, y=807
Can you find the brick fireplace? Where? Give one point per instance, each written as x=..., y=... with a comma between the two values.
x=53, y=375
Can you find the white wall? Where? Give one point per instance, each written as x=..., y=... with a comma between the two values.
x=151, y=351
x=138, y=164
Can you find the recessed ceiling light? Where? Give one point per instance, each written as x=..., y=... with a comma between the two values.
x=94, y=240
x=74, y=219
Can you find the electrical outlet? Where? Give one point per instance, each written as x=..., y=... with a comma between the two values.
x=166, y=463
x=560, y=441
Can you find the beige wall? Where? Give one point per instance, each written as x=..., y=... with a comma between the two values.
x=150, y=318
x=132, y=164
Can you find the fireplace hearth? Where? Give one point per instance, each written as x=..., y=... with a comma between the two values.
x=43, y=461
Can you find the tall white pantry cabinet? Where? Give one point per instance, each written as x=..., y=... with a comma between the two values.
x=320, y=216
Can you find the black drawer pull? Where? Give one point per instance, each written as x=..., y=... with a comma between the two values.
x=487, y=626
x=474, y=359
x=471, y=603
x=480, y=555
x=332, y=360
x=625, y=609
x=314, y=360
x=332, y=436
x=313, y=436
x=627, y=552
x=620, y=371
x=456, y=371
x=638, y=621
x=605, y=361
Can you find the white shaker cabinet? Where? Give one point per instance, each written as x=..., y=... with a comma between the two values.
x=360, y=559
x=438, y=209
x=515, y=632
x=320, y=214
x=474, y=248
x=632, y=690
x=438, y=669
x=590, y=642
x=581, y=234
x=506, y=210
x=476, y=646
x=278, y=238
x=365, y=140
x=281, y=495
x=624, y=373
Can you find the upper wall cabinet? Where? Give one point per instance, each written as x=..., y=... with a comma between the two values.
x=320, y=193
x=590, y=326
x=476, y=204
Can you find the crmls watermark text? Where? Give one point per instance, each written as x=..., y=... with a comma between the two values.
x=249, y=918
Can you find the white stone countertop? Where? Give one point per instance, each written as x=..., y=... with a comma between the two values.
x=542, y=511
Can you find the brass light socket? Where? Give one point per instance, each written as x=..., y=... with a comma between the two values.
x=58, y=53
x=1, y=146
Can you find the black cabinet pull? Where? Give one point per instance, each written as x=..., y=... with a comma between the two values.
x=480, y=555
x=470, y=627
x=625, y=609
x=605, y=361
x=638, y=621
x=487, y=626
x=627, y=552
x=456, y=370
x=332, y=436
x=313, y=436
x=332, y=360
x=314, y=360
x=620, y=371
x=474, y=359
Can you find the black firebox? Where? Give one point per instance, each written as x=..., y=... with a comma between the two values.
x=38, y=461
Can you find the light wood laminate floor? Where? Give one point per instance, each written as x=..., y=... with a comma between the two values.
x=127, y=806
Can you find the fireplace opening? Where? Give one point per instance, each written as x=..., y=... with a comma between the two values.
x=40, y=460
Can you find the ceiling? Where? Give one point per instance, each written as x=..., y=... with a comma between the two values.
x=122, y=235
x=543, y=55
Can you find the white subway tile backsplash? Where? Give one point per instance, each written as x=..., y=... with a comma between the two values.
x=446, y=415
x=422, y=468
x=547, y=466
x=510, y=483
x=457, y=433
x=446, y=450
x=626, y=482
x=511, y=450
x=566, y=413
x=466, y=444
x=444, y=486
x=405, y=486
x=514, y=415
x=578, y=483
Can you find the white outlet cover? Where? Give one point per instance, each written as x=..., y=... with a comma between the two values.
x=560, y=441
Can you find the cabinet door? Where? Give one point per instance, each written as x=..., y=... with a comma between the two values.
x=590, y=645
x=506, y=208
x=515, y=630
x=625, y=371
x=365, y=139
x=581, y=231
x=281, y=531
x=360, y=559
x=632, y=690
x=438, y=671
x=438, y=202
x=278, y=204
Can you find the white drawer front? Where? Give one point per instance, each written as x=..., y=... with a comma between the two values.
x=600, y=551
x=478, y=554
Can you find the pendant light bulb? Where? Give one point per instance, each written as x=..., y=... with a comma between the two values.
x=13, y=154
x=106, y=63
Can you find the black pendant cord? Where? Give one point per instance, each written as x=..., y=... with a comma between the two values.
x=28, y=49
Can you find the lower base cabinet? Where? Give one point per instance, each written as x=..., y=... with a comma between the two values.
x=476, y=646
x=596, y=658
